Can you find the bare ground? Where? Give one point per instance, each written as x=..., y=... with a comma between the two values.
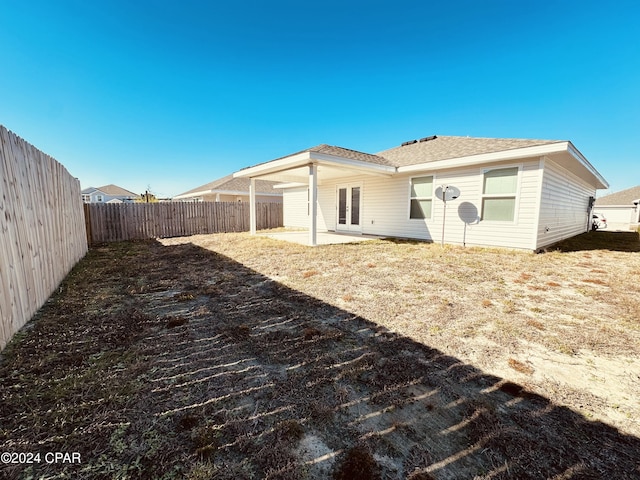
x=226, y=356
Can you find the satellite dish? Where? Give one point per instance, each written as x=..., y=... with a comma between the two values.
x=468, y=213
x=447, y=192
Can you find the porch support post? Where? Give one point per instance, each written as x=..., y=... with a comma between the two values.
x=252, y=206
x=313, y=205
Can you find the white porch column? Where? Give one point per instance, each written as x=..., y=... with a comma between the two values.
x=252, y=206
x=313, y=205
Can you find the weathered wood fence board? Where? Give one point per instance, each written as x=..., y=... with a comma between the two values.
x=113, y=222
x=42, y=230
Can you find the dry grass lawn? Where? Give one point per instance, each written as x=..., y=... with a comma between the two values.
x=229, y=356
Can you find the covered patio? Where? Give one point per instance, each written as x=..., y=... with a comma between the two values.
x=310, y=168
x=322, y=238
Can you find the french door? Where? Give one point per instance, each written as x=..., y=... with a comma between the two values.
x=348, y=202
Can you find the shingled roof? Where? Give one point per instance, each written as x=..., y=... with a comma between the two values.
x=432, y=149
x=623, y=197
x=339, y=152
x=428, y=149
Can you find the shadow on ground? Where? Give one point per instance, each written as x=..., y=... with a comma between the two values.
x=178, y=362
x=601, y=240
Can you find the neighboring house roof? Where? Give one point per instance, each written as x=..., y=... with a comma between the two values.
x=111, y=190
x=115, y=190
x=623, y=197
x=231, y=185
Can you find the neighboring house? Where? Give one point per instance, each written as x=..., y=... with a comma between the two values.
x=513, y=193
x=621, y=209
x=230, y=189
x=108, y=194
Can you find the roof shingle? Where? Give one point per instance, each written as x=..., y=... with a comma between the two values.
x=623, y=197
x=448, y=147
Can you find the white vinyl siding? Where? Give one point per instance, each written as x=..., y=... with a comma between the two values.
x=421, y=197
x=385, y=207
x=499, y=194
x=564, y=205
x=295, y=208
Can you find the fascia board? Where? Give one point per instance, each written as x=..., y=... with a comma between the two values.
x=575, y=153
x=323, y=158
x=275, y=166
x=513, y=154
x=306, y=158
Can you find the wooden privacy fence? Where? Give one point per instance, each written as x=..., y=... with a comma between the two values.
x=113, y=222
x=42, y=233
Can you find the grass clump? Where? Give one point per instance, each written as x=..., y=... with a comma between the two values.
x=357, y=464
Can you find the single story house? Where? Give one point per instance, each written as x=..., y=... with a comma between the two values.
x=621, y=209
x=108, y=194
x=231, y=189
x=514, y=193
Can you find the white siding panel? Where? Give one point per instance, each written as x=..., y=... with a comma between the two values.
x=295, y=208
x=385, y=208
x=564, y=204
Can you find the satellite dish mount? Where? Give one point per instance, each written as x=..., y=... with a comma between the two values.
x=446, y=193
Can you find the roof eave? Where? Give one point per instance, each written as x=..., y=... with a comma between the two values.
x=307, y=158
x=575, y=153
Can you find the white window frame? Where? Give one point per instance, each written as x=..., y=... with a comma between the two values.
x=515, y=195
x=99, y=198
x=433, y=182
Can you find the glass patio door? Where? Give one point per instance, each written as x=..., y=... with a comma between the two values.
x=348, y=208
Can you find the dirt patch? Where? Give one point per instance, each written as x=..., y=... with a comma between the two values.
x=222, y=357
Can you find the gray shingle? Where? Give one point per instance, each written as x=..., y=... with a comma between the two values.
x=623, y=197
x=448, y=147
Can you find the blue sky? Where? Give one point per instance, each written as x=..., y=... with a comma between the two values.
x=170, y=95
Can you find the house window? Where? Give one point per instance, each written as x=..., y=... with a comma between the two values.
x=99, y=198
x=421, y=197
x=86, y=198
x=499, y=194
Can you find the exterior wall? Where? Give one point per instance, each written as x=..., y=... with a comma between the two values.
x=564, y=205
x=106, y=198
x=295, y=208
x=385, y=207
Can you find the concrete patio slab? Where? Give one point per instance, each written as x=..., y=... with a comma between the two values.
x=323, y=238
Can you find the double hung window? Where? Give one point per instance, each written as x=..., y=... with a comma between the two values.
x=499, y=194
x=421, y=197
